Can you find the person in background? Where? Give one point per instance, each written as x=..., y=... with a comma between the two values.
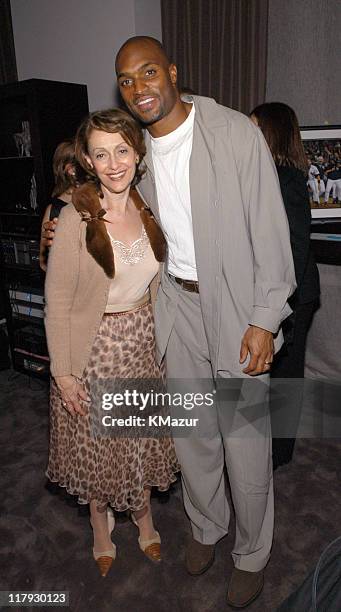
x=100, y=327
x=280, y=128
x=64, y=170
x=315, y=182
x=321, y=166
x=333, y=173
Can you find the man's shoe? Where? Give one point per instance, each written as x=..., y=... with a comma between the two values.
x=244, y=587
x=199, y=557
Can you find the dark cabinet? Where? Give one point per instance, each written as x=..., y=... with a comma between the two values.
x=35, y=116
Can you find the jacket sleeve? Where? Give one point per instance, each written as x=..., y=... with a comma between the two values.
x=296, y=202
x=274, y=275
x=60, y=287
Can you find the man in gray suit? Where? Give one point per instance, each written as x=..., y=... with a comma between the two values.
x=212, y=185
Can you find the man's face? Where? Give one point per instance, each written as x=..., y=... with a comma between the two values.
x=147, y=84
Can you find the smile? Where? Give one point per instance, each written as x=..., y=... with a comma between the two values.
x=145, y=102
x=117, y=176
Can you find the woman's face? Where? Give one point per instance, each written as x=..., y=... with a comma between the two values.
x=254, y=119
x=113, y=160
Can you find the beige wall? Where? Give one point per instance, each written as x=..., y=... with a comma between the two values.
x=76, y=40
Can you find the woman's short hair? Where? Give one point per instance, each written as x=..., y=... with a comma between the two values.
x=113, y=121
x=64, y=155
x=281, y=131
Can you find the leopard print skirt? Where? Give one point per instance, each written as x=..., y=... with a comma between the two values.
x=109, y=469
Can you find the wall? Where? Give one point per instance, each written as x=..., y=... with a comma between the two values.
x=304, y=67
x=148, y=18
x=77, y=40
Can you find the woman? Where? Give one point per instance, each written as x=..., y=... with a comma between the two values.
x=64, y=170
x=99, y=327
x=279, y=125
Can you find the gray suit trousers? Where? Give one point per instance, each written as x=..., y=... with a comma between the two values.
x=235, y=434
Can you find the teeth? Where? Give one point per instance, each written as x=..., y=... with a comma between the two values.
x=146, y=101
x=116, y=176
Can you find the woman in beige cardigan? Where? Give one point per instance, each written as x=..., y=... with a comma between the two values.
x=100, y=330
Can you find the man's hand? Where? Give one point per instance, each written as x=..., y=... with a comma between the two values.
x=47, y=234
x=71, y=392
x=259, y=343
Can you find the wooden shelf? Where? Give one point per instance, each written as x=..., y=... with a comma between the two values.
x=22, y=235
x=19, y=214
x=16, y=266
x=54, y=111
x=29, y=371
x=32, y=355
x=19, y=316
x=17, y=157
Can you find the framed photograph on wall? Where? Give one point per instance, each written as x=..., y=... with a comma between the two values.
x=323, y=148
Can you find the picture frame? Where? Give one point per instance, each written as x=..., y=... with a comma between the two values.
x=322, y=145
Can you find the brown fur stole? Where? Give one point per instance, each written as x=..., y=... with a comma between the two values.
x=86, y=201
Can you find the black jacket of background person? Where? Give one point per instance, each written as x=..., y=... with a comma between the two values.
x=296, y=201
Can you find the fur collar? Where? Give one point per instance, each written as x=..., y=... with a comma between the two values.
x=86, y=201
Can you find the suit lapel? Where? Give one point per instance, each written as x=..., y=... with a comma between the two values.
x=202, y=190
x=147, y=187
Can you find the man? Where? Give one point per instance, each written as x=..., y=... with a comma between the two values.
x=212, y=185
x=333, y=173
x=315, y=184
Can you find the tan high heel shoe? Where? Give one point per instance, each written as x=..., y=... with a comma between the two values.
x=105, y=558
x=151, y=548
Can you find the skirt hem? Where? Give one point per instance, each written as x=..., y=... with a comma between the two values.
x=82, y=501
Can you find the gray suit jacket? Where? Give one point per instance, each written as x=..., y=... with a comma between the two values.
x=241, y=235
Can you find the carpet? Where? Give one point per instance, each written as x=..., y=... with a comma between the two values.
x=46, y=537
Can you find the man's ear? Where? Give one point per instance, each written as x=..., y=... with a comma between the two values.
x=173, y=73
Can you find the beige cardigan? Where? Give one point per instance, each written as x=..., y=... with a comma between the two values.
x=76, y=293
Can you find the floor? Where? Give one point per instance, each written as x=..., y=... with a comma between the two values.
x=46, y=538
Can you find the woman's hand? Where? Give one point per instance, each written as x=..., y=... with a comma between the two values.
x=71, y=393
